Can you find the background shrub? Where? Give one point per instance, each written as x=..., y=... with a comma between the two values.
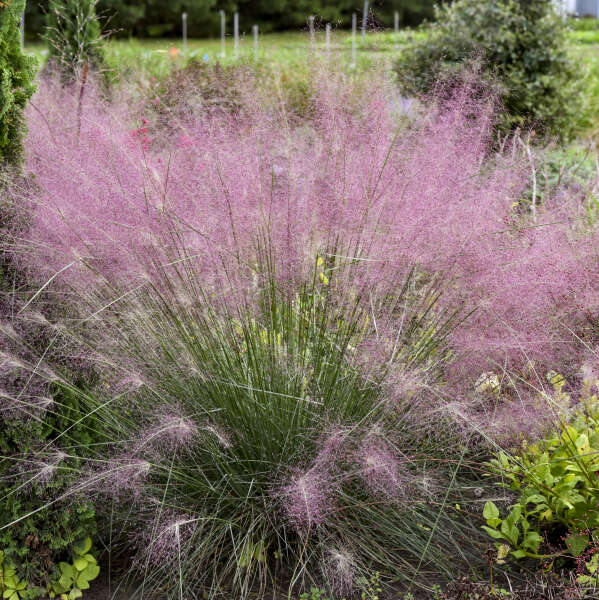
x=16, y=81
x=74, y=37
x=521, y=44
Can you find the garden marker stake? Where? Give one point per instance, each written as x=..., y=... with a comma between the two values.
x=354, y=28
x=327, y=43
x=311, y=26
x=255, y=32
x=223, y=25
x=236, y=34
x=184, y=26
x=364, y=20
x=396, y=29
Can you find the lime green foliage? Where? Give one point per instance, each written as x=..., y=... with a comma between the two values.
x=556, y=482
x=522, y=46
x=16, y=81
x=75, y=576
x=11, y=587
x=71, y=578
x=74, y=37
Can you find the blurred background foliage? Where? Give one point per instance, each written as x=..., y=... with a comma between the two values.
x=156, y=18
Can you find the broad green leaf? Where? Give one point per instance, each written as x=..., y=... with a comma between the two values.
x=519, y=554
x=493, y=533
x=90, y=572
x=577, y=543
x=83, y=547
x=66, y=569
x=490, y=511
x=532, y=541
x=80, y=564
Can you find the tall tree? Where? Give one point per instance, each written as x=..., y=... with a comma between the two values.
x=16, y=81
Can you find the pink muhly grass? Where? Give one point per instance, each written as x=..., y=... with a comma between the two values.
x=307, y=498
x=120, y=478
x=435, y=197
x=341, y=571
x=164, y=538
x=170, y=431
x=380, y=468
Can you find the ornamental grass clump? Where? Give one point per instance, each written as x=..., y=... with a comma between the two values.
x=257, y=451
x=290, y=318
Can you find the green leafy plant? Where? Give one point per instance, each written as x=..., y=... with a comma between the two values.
x=76, y=575
x=314, y=594
x=11, y=587
x=556, y=482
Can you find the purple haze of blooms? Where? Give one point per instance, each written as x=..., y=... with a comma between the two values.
x=434, y=196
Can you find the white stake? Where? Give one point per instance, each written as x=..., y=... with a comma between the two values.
x=184, y=26
x=236, y=33
x=22, y=28
x=327, y=38
x=311, y=25
x=223, y=26
x=396, y=28
x=255, y=32
x=354, y=29
x=364, y=20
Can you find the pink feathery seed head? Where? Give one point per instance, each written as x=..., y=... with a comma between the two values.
x=435, y=196
x=330, y=447
x=170, y=430
x=380, y=468
x=126, y=477
x=121, y=478
x=307, y=498
x=221, y=435
x=129, y=383
x=341, y=571
x=48, y=467
x=160, y=543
